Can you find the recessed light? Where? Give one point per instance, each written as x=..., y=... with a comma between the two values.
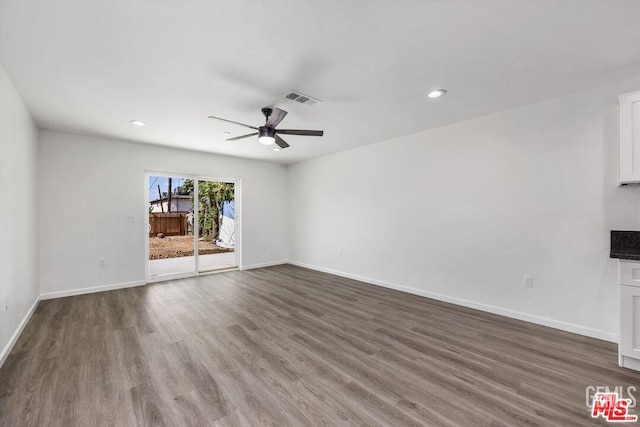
x=227, y=133
x=137, y=122
x=437, y=93
x=277, y=149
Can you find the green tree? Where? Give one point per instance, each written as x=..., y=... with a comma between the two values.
x=211, y=196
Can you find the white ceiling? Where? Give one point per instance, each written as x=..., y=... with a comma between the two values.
x=91, y=66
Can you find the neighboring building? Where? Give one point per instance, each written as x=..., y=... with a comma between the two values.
x=179, y=203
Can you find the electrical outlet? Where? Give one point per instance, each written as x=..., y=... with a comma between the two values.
x=102, y=262
x=340, y=252
x=527, y=281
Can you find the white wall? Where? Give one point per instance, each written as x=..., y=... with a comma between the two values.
x=18, y=214
x=102, y=181
x=462, y=212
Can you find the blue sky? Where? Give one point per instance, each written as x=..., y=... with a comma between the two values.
x=163, y=182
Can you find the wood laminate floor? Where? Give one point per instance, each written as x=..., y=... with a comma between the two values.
x=287, y=346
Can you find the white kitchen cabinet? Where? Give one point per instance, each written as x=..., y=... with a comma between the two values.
x=630, y=321
x=629, y=314
x=629, y=138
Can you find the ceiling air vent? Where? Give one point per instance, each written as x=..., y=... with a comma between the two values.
x=302, y=99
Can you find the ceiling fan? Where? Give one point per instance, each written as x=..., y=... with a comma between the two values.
x=268, y=134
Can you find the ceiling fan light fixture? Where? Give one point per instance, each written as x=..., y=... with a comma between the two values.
x=267, y=135
x=267, y=140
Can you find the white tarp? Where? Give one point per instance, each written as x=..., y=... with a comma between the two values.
x=228, y=224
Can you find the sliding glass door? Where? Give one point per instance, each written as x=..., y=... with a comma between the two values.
x=216, y=225
x=192, y=227
x=171, y=239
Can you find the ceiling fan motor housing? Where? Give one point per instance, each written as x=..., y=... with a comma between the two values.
x=266, y=131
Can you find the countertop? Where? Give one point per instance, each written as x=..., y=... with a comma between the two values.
x=625, y=245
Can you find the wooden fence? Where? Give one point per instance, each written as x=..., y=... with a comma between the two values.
x=170, y=224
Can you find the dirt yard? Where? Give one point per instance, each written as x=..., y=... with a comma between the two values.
x=179, y=246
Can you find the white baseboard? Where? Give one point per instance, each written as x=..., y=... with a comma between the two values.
x=544, y=321
x=82, y=291
x=14, y=338
x=264, y=264
x=629, y=363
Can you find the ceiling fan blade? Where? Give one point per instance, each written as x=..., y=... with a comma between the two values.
x=281, y=142
x=276, y=117
x=300, y=132
x=231, y=121
x=241, y=137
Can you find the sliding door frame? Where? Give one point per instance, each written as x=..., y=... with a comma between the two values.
x=237, y=191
